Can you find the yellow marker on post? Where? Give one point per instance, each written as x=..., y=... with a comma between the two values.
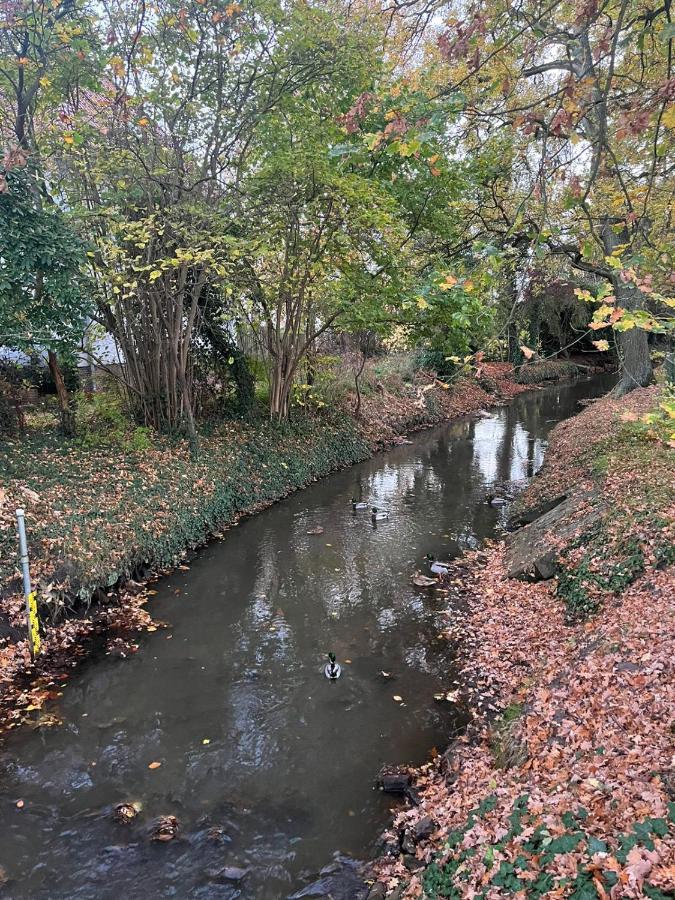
x=33, y=626
x=32, y=619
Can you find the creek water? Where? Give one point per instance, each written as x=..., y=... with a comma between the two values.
x=265, y=763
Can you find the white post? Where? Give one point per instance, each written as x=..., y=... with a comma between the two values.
x=31, y=611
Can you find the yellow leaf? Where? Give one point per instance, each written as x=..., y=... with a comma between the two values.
x=422, y=303
x=668, y=118
x=68, y=139
x=144, y=121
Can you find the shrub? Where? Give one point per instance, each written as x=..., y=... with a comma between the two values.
x=437, y=361
x=102, y=421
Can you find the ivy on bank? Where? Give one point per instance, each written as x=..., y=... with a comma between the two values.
x=98, y=517
x=527, y=871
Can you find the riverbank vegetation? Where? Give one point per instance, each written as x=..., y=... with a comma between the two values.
x=243, y=244
x=563, y=784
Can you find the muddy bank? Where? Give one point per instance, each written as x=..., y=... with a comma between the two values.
x=102, y=522
x=563, y=784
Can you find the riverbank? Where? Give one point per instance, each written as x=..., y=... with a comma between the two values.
x=102, y=520
x=563, y=784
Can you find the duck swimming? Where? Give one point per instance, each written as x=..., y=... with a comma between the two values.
x=359, y=504
x=436, y=567
x=379, y=515
x=332, y=669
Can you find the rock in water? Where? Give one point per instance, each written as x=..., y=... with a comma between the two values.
x=340, y=880
x=164, y=829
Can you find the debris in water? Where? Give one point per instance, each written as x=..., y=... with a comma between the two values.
x=164, y=829
x=126, y=812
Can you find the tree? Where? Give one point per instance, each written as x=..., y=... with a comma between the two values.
x=41, y=301
x=43, y=304
x=587, y=93
x=323, y=242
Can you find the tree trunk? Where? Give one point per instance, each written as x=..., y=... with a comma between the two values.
x=357, y=408
x=636, y=363
x=66, y=413
x=281, y=382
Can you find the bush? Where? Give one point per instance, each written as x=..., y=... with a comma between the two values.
x=397, y=369
x=437, y=361
x=101, y=421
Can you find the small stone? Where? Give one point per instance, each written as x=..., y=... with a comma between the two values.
x=395, y=783
x=424, y=828
x=411, y=863
x=233, y=873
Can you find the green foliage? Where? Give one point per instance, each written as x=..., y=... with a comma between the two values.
x=102, y=421
x=583, y=584
x=528, y=871
x=43, y=299
x=166, y=500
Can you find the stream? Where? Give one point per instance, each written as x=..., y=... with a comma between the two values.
x=266, y=764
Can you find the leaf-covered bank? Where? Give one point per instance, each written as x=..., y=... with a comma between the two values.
x=102, y=519
x=563, y=785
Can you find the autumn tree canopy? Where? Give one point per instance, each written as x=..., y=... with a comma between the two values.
x=290, y=167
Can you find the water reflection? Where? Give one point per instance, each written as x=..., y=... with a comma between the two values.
x=264, y=762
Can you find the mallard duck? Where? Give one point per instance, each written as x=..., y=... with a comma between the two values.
x=423, y=581
x=436, y=567
x=379, y=515
x=359, y=504
x=332, y=669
